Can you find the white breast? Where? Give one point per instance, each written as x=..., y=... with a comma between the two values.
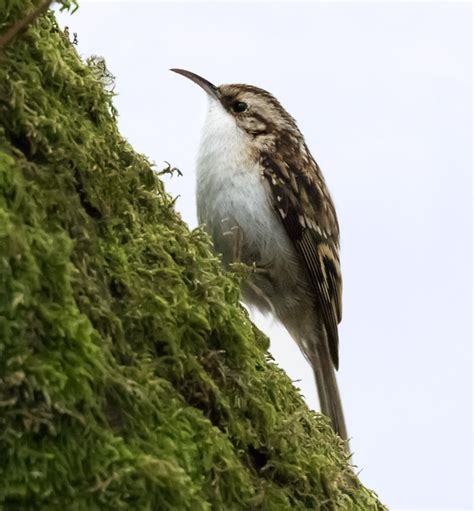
x=231, y=191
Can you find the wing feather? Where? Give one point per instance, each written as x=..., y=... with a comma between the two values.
x=305, y=208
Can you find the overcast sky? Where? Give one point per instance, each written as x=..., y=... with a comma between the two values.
x=382, y=93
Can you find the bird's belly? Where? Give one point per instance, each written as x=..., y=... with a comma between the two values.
x=236, y=210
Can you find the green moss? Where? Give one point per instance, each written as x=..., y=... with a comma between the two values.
x=130, y=377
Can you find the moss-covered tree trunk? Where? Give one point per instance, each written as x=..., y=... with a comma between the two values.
x=130, y=377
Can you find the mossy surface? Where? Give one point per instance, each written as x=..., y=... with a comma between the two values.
x=130, y=377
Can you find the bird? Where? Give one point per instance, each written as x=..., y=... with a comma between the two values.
x=263, y=200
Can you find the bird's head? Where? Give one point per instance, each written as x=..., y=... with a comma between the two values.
x=255, y=111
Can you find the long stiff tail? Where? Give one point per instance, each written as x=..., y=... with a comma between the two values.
x=328, y=390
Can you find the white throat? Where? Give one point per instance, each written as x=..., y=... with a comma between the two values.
x=225, y=170
x=222, y=141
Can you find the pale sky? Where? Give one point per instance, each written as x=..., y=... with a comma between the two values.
x=382, y=93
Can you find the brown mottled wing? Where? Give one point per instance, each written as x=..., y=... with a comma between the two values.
x=307, y=212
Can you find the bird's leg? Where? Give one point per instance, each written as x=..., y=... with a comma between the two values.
x=236, y=232
x=238, y=238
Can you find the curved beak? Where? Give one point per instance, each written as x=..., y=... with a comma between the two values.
x=210, y=88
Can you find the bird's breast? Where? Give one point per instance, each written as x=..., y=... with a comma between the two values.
x=233, y=200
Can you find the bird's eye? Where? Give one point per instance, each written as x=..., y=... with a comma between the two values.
x=239, y=107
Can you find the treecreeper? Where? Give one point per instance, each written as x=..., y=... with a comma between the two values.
x=263, y=200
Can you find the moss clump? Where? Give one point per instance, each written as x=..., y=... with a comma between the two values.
x=130, y=377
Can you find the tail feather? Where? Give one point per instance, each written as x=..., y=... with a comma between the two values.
x=328, y=390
